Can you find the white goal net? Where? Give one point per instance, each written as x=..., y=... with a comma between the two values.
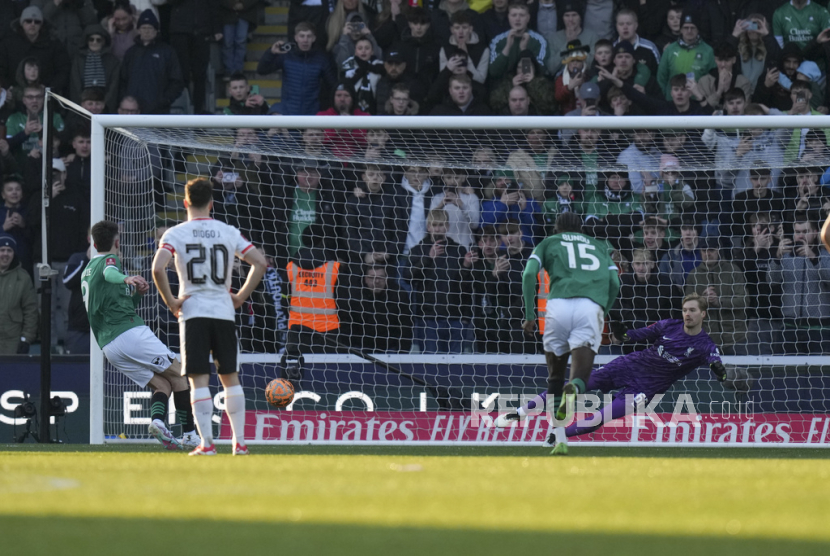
x=419, y=229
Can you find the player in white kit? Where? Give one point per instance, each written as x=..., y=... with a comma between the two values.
x=204, y=251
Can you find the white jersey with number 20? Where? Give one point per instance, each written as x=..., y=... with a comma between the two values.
x=204, y=249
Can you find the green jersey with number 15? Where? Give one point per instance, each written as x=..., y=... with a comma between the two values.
x=578, y=266
x=110, y=307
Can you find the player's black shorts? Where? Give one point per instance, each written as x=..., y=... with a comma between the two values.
x=201, y=336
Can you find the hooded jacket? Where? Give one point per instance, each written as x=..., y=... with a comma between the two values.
x=108, y=60
x=52, y=55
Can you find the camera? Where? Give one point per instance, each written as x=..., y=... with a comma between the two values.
x=286, y=47
x=358, y=26
x=752, y=26
x=229, y=177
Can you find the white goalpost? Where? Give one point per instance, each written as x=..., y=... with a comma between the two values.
x=379, y=378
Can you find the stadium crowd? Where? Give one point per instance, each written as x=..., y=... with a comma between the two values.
x=419, y=254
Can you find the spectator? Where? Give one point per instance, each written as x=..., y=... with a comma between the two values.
x=799, y=22
x=560, y=41
x=122, y=29
x=603, y=58
x=30, y=37
x=150, y=71
x=654, y=237
x=809, y=197
x=641, y=157
x=724, y=286
x=400, y=103
x=303, y=68
x=23, y=130
x=69, y=219
x=95, y=66
x=337, y=23
x=508, y=202
x=761, y=199
x=682, y=103
x=77, y=334
x=344, y=143
x=28, y=74
x=465, y=38
x=418, y=47
x=645, y=297
x=242, y=101
x=763, y=296
x=379, y=147
x=443, y=13
x=495, y=20
x=689, y=55
x=236, y=17
x=354, y=30
x=802, y=270
x=571, y=76
x=17, y=223
x=78, y=167
x=461, y=101
x=530, y=75
x=518, y=103
x=735, y=151
x=800, y=93
x=756, y=46
x=376, y=317
x=723, y=78
x=8, y=164
x=613, y=211
x=375, y=218
x=313, y=13
x=562, y=200
x=395, y=73
x=774, y=89
x=718, y=20
x=682, y=258
x=668, y=197
x=507, y=48
x=461, y=204
x=67, y=21
x=18, y=304
x=416, y=182
x=362, y=71
x=194, y=25
x=436, y=280
x=645, y=51
x=586, y=154
x=628, y=71
x=671, y=28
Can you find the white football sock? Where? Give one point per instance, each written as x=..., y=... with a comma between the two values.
x=202, y=404
x=235, y=408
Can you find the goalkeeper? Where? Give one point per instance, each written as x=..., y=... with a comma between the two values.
x=678, y=347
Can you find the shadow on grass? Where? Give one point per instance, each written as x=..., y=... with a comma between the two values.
x=127, y=537
x=467, y=451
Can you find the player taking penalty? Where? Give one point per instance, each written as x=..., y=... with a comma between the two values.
x=204, y=251
x=677, y=348
x=583, y=286
x=129, y=345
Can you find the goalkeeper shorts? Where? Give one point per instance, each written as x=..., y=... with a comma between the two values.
x=572, y=323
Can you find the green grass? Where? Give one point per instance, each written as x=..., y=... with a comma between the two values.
x=346, y=500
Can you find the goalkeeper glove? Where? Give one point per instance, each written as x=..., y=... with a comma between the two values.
x=718, y=370
x=619, y=330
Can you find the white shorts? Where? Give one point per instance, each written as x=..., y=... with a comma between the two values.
x=572, y=323
x=137, y=353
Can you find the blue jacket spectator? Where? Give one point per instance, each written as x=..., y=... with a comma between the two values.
x=508, y=202
x=302, y=69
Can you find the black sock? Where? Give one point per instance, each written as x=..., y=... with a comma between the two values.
x=555, y=387
x=184, y=414
x=158, y=406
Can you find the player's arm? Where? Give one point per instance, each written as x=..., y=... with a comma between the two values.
x=529, y=292
x=160, y=262
x=258, y=266
x=114, y=276
x=648, y=333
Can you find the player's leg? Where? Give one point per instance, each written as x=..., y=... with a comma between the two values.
x=584, y=339
x=158, y=412
x=195, y=340
x=181, y=399
x=224, y=347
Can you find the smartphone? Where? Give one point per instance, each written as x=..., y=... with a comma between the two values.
x=589, y=102
x=254, y=89
x=527, y=66
x=752, y=26
x=229, y=177
x=690, y=76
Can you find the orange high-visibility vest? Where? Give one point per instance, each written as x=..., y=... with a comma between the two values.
x=312, y=297
x=543, y=284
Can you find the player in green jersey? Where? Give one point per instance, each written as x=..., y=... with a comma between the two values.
x=129, y=345
x=583, y=286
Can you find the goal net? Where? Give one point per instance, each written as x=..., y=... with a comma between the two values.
x=410, y=235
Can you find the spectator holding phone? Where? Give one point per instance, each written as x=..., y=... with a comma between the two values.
x=24, y=129
x=245, y=100
x=801, y=94
x=303, y=70
x=460, y=203
x=354, y=30
x=465, y=38
x=506, y=49
x=756, y=47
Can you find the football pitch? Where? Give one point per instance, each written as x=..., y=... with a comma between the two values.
x=314, y=500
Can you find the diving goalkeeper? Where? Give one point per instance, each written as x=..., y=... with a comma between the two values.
x=678, y=347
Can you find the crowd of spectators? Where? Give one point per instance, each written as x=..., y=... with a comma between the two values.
x=431, y=248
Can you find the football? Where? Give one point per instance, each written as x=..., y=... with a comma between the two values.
x=279, y=392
